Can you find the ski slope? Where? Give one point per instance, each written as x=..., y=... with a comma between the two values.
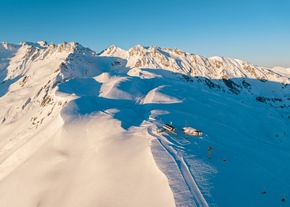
x=184, y=171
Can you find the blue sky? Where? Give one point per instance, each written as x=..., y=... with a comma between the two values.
x=254, y=30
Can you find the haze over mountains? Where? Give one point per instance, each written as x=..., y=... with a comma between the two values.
x=79, y=128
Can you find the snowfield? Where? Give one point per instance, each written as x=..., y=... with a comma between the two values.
x=82, y=129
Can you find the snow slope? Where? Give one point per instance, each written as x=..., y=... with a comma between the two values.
x=80, y=128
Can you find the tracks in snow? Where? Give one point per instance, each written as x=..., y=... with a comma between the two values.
x=183, y=168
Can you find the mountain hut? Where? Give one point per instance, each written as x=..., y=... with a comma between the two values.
x=169, y=128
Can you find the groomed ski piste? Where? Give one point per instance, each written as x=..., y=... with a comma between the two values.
x=195, y=198
x=81, y=129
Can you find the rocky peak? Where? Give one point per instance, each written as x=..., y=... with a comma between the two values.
x=138, y=50
x=42, y=43
x=114, y=51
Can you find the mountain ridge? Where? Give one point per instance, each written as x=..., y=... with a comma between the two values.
x=22, y=63
x=139, y=50
x=195, y=65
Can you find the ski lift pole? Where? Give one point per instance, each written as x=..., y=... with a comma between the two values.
x=210, y=149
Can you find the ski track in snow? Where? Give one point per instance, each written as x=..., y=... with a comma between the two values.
x=183, y=168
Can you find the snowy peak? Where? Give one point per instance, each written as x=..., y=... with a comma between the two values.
x=138, y=50
x=40, y=44
x=61, y=47
x=37, y=54
x=114, y=51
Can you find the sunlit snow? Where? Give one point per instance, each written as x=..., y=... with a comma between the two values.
x=83, y=129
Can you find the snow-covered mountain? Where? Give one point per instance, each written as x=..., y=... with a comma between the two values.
x=80, y=128
x=222, y=73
